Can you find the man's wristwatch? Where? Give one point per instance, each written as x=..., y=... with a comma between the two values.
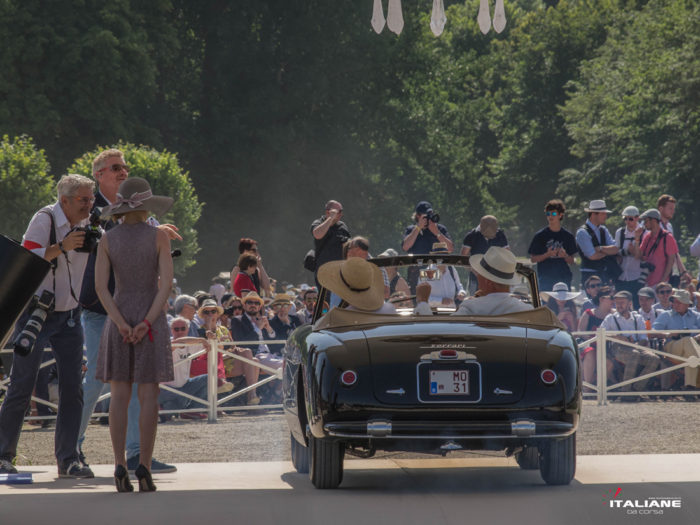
x=60, y=247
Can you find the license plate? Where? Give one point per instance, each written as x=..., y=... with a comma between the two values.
x=449, y=382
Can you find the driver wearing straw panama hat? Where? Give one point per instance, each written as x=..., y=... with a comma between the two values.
x=358, y=282
x=495, y=272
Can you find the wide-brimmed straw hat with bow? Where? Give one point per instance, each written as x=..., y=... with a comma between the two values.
x=497, y=265
x=561, y=292
x=135, y=194
x=355, y=280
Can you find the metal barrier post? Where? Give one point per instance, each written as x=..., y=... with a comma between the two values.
x=212, y=379
x=602, y=372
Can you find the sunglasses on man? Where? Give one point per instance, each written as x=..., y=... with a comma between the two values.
x=210, y=312
x=594, y=285
x=116, y=168
x=179, y=328
x=552, y=213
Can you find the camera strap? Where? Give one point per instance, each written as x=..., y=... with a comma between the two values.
x=54, y=262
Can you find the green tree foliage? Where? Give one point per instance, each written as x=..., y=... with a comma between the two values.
x=635, y=113
x=163, y=172
x=276, y=106
x=25, y=184
x=80, y=73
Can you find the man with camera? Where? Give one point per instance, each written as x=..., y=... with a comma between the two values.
x=329, y=233
x=57, y=233
x=427, y=230
x=658, y=249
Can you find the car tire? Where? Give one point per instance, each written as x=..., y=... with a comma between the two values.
x=326, y=465
x=558, y=461
x=528, y=458
x=300, y=456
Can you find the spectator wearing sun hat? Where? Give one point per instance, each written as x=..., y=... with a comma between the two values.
x=282, y=323
x=596, y=246
x=624, y=318
x=682, y=317
x=396, y=282
x=628, y=239
x=561, y=301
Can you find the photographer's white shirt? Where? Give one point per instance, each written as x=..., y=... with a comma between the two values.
x=36, y=240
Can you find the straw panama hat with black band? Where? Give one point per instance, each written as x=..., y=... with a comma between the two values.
x=355, y=280
x=281, y=298
x=597, y=206
x=210, y=303
x=134, y=194
x=253, y=296
x=497, y=264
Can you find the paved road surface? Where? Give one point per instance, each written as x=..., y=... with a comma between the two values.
x=376, y=491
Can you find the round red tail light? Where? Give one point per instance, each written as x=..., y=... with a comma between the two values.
x=348, y=378
x=548, y=377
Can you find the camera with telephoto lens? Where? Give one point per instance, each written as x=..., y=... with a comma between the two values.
x=42, y=307
x=647, y=268
x=432, y=216
x=92, y=232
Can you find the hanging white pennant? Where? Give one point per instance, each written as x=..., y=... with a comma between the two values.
x=484, y=17
x=499, y=17
x=394, y=17
x=438, y=18
x=378, y=19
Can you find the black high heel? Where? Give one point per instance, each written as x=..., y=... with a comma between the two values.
x=121, y=479
x=145, y=480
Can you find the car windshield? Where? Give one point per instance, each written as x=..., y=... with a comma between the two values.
x=450, y=278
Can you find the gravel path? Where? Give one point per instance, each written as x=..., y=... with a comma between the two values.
x=629, y=428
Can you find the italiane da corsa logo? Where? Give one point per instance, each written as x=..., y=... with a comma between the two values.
x=614, y=499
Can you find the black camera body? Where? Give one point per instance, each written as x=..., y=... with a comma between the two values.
x=42, y=307
x=645, y=265
x=92, y=232
x=432, y=216
x=647, y=268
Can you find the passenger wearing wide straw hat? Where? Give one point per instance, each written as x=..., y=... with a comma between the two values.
x=596, y=246
x=358, y=282
x=496, y=273
x=135, y=345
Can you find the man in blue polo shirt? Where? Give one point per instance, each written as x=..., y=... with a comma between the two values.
x=682, y=317
x=420, y=237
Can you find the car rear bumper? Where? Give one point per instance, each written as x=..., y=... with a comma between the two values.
x=387, y=429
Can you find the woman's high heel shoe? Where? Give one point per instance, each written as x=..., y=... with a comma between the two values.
x=145, y=480
x=121, y=479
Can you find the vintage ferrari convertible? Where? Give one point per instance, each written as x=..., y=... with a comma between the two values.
x=357, y=382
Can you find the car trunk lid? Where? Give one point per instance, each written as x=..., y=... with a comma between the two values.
x=397, y=351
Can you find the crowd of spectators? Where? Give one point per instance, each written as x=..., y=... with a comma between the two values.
x=632, y=278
